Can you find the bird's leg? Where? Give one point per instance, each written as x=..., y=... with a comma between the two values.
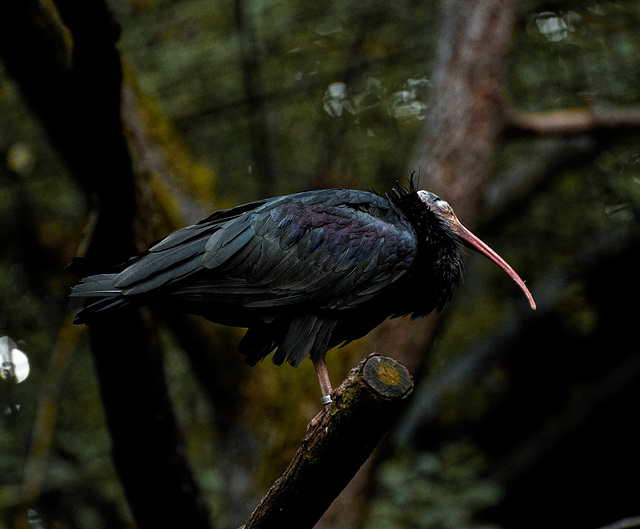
x=323, y=377
x=325, y=387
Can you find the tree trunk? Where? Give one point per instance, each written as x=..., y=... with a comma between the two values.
x=453, y=157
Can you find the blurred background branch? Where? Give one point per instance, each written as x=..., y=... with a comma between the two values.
x=574, y=121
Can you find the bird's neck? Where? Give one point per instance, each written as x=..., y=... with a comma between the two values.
x=444, y=262
x=438, y=265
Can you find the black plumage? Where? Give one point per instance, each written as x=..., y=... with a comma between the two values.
x=303, y=272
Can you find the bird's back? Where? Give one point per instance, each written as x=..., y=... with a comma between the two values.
x=303, y=272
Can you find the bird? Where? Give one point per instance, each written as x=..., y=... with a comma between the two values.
x=303, y=272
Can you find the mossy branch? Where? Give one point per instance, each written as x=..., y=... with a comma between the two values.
x=364, y=408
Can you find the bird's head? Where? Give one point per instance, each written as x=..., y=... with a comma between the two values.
x=444, y=213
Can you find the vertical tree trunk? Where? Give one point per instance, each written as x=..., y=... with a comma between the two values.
x=455, y=149
x=64, y=57
x=457, y=143
x=453, y=155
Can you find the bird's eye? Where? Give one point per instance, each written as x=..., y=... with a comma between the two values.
x=443, y=205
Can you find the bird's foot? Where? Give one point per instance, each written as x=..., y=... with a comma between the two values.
x=326, y=409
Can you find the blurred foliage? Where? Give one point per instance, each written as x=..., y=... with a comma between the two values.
x=572, y=54
x=343, y=91
x=439, y=490
x=186, y=54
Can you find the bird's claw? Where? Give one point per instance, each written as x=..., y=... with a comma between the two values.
x=326, y=409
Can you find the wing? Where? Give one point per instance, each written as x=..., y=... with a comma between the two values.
x=332, y=249
x=278, y=266
x=177, y=256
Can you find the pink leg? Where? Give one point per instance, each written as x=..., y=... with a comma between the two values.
x=325, y=388
x=323, y=378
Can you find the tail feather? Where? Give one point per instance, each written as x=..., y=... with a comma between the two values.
x=86, y=315
x=98, y=286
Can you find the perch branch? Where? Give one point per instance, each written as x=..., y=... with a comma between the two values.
x=364, y=407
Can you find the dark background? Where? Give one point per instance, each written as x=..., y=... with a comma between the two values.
x=519, y=419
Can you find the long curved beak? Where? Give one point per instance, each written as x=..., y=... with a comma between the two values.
x=476, y=244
